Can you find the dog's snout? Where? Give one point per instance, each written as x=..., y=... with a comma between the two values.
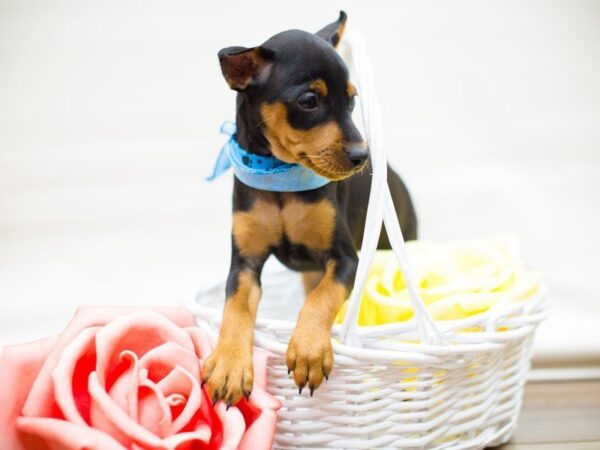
x=357, y=155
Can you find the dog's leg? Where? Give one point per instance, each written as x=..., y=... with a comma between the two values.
x=309, y=353
x=228, y=371
x=311, y=280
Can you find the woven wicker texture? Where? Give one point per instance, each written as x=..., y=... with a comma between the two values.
x=392, y=393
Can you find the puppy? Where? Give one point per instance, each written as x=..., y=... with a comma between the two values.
x=295, y=102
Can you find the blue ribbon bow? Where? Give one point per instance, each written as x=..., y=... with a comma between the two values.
x=263, y=172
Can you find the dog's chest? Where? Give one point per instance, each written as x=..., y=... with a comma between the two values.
x=291, y=229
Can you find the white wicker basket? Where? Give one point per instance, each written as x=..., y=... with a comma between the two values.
x=416, y=384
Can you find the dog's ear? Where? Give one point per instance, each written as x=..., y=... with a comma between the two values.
x=332, y=33
x=243, y=67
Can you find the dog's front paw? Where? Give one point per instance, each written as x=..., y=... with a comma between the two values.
x=228, y=374
x=310, y=356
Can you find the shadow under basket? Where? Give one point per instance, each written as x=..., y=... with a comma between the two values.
x=419, y=384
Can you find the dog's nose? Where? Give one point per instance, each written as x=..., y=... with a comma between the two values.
x=357, y=155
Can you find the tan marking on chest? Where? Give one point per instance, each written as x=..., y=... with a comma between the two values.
x=309, y=224
x=258, y=229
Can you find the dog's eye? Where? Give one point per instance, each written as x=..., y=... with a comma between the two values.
x=308, y=100
x=352, y=103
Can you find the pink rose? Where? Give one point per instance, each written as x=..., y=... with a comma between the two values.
x=125, y=378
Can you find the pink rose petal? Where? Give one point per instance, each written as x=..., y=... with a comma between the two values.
x=137, y=383
x=260, y=412
x=40, y=401
x=108, y=417
x=124, y=390
x=154, y=410
x=201, y=434
x=206, y=415
x=182, y=381
x=201, y=342
x=260, y=433
x=62, y=376
x=19, y=365
x=138, y=332
x=161, y=360
x=234, y=426
x=176, y=400
x=66, y=435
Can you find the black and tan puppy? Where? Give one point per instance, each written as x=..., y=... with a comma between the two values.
x=295, y=102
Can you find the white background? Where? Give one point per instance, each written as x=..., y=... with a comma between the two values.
x=109, y=116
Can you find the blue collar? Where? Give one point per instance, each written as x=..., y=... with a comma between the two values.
x=263, y=172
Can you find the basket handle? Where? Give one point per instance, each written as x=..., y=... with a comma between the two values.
x=381, y=208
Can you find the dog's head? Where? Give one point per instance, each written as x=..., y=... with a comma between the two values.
x=297, y=88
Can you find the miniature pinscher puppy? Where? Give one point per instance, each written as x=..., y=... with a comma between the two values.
x=295, y=102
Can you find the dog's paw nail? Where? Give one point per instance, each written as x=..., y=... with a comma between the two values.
x=326, y=377
x=289, y=371
x=215, y=398
x=300, y=390
x=228, y=406
x=247, y=395
x=312, y=390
